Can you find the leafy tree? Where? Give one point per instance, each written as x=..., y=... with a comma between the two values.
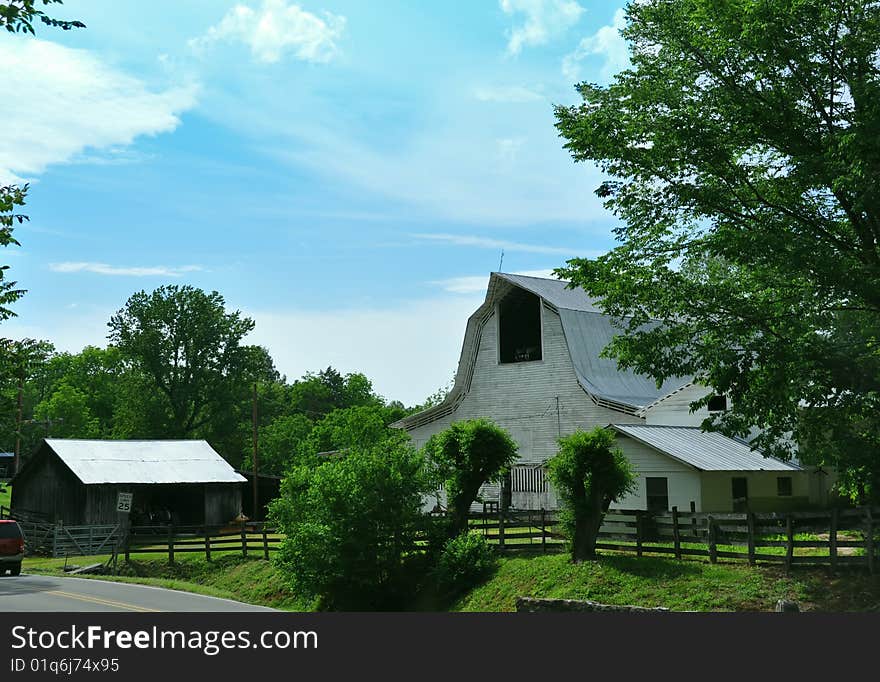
x=18, y=16
x=316, y=395
x=743, y=162
x=588, y=473
x=350, y=525
x=189, y=348
x=464, y=457
x=358, y=427
x=280, y=443
x=67, y=414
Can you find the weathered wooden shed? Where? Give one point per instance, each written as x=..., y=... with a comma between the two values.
x=77, y=482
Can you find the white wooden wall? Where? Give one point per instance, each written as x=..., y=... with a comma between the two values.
x=683, y=481
x=522, y=397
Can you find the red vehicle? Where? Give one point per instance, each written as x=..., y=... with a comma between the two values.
x=11, y=547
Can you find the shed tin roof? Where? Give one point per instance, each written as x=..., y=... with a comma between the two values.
x=703, y=450
x=143, y=461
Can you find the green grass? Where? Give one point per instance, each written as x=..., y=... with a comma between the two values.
x=677, y=585
x=5, y=495
x=250, y=580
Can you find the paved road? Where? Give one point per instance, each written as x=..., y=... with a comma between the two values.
x=49, y=593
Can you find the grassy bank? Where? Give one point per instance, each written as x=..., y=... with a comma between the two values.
x=254, y=581
x=677, y=585
x=613, y=579
x=5, y=495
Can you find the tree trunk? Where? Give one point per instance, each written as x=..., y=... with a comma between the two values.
x=586, y=530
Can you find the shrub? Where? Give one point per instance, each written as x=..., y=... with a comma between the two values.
x=465, y=560
x=351, y=524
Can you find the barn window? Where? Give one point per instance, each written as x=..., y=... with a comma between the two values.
x=717, y=403
x=657, y=492
x=519, y=327
x=783, y=486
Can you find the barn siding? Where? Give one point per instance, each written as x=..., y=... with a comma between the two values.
x=49, y=488
x=522, y=398
x=683, y=481
x=675, y=409
x=222, y=502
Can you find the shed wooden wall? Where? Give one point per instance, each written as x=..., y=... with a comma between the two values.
x=718, y=495
x=222, y=502
x=49, y=488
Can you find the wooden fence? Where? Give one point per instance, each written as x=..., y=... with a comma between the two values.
x=834, y=538
x=249, y=539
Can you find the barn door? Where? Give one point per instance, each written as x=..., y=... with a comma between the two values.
x=739, y=489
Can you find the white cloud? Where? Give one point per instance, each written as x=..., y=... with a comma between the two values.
x=408, y=351
x=60, y=102
x=544, y=19
x=488, y=243
x=476, y=284
x=607, y=43
x=112, y=270
x=513, y=94
x=275, y=29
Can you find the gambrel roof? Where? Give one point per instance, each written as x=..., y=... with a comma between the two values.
x=587, y=331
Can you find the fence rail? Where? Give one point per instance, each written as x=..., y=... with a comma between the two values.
x=258, y=539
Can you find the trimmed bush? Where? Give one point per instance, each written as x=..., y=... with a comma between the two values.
x=465, y=561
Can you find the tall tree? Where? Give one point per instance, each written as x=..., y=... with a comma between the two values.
x=743, y=149
x=190, y=349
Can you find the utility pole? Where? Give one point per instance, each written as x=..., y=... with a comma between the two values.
x=256, y=466
x=16, y=457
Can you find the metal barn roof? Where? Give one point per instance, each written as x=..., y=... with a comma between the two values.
x=144, y=461
x=707, y=451
x=587, y=331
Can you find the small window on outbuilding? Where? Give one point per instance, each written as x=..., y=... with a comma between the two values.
x=657, y=493
x=717, y=403
x=519, y=327
x=783, y=486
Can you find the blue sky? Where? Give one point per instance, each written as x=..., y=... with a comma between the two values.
x=346, y=173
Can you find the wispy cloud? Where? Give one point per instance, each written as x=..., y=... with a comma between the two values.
x=277, y=28
x=508, y=94
x=606, y=43
x=117, y=271
x=67, y=102
x=544, y=20
x=488, y=243
x=475, y=284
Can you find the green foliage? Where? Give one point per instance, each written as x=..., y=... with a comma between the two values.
x=464, y=457
x=350, y=525
x=466, y=560
x=10, y=197
x=588, y=474
x=67, y=414
x=18, y=16
x=741, y=149
x=190, y=349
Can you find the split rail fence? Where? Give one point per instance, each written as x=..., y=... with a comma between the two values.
x=834, y=538
x=253, y=539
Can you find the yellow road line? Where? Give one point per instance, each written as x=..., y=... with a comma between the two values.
x=103, y=602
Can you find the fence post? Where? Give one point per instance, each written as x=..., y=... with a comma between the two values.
x=170, y=543
x=750, y=522
x=694, y=518
x=638, y=532
x=500, y=527
x=91, y=539
x=543, y=531
x=207, y=544
x=832, y=540
x=265, y=543
x=127, y=543
x=676, y=537
x=713, y=547
x=243, y=540
x=789, y=541
x=869, y=539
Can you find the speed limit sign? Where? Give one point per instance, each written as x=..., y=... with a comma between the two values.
x=123, y=502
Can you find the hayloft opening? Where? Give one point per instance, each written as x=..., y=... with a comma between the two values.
x=519, y=327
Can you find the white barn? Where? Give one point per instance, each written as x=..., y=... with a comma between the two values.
x=530, y=362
